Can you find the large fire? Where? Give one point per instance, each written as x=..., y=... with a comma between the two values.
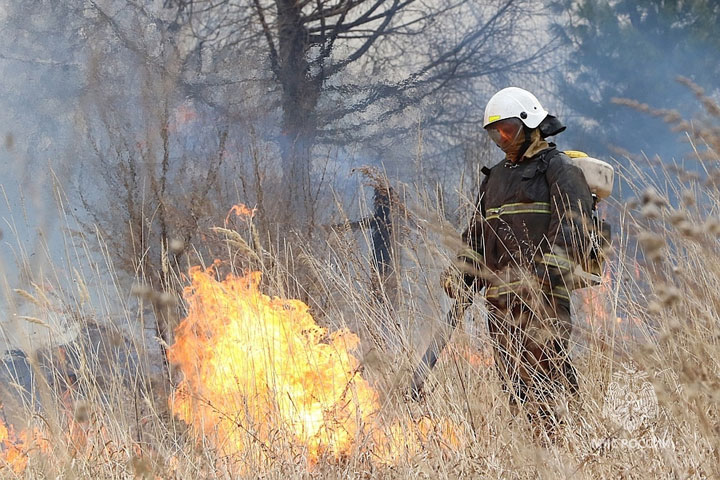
x=261, y=376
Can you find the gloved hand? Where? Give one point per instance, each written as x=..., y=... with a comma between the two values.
x=549, y=276
x=457, y=285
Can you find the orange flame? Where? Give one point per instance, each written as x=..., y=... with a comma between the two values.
x=17, y=447
x=264, y=364
x=240, y=210
x=476, y=359
x=13, y=453
x=260, y=375
x=596, y=302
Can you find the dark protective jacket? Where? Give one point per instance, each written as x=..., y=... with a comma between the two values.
x=531, y=217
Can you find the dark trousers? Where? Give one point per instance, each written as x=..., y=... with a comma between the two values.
x=530, y=348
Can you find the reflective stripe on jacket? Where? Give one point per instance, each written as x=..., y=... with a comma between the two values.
x=498, y=291
x=530, y=216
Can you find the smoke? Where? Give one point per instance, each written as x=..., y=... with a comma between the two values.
x=41, y=71
x=79, y=87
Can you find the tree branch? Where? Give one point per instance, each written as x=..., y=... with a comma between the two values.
x=268, y=37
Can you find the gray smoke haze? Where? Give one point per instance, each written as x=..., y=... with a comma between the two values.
x=68, y=74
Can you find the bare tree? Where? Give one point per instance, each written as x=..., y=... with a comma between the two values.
x=301, y=73
x=154, y=167
x=349, y=70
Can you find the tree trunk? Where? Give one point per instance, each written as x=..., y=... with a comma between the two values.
x=299, y=100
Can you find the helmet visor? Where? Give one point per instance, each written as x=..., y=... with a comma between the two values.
x=505, y=132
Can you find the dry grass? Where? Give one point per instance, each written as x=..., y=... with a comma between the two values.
x=99, y=405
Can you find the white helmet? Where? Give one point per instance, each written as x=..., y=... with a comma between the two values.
x=513, y=102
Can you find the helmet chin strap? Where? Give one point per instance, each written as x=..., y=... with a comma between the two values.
x=525, y=145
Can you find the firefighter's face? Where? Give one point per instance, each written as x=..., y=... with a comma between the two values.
x=505, y=133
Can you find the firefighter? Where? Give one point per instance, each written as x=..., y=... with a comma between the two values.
x=526, y=238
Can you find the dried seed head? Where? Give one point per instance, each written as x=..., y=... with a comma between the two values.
x=167, y=299
x=712, y=226
x=654, y=308
x=81, y=412
x=688, y=198
x=651, y=211
x=674, y=325
x=142, y=291
x=29, y=297
x=652, y=244
x=687, y=229
x=668, y=295
x=651, y=196
x=141, y=467
x=562, y=411
x=177, y=246
x=676, y=217
x=713, y=177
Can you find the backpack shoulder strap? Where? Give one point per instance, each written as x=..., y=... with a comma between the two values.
x=547, y=157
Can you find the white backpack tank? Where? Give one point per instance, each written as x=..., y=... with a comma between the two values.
x=600, y=177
